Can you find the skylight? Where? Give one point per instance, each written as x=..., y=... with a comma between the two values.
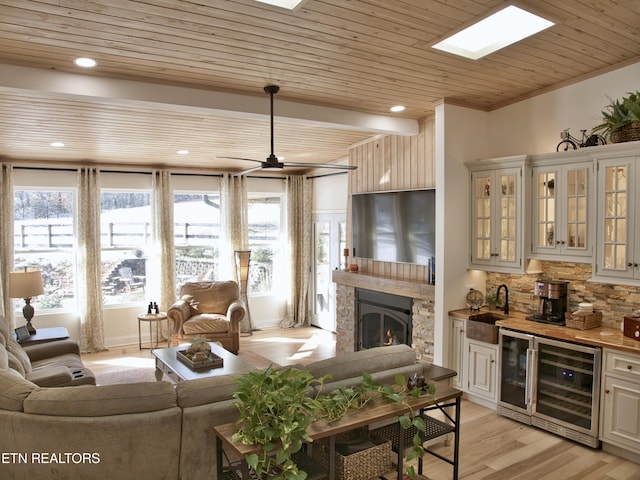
x=503, y=28
x=290, y=4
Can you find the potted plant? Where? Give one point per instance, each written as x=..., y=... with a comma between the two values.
x=275, y=410
x=491, y=300
x=621, y=119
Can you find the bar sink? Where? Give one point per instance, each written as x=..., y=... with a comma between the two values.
x=482, y=326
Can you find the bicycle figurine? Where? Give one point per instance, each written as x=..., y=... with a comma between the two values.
x=569, y=142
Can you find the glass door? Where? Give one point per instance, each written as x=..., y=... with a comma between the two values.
x=515, y=371
x=329, y=241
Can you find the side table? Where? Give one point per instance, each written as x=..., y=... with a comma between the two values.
x=44, y=335
x=152, y=318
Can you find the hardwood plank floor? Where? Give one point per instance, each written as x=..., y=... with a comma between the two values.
x=492, y=447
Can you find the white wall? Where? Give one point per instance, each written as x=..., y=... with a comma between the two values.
x=534, y=125
x=330, y=194
x=460, y=136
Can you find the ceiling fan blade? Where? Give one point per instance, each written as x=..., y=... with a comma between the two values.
x=239, y=158
x=321, y=165
x=247, y=171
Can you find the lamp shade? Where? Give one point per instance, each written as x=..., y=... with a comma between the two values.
x=25, y=283
x=243, y=258
x=534, y=267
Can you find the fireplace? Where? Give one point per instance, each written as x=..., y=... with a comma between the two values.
x=382, y=319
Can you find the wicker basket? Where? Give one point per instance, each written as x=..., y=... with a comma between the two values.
x=627, y=133
x=582, y=320
x=371, y=462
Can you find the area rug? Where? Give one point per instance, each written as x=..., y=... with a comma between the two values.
x=147, y=374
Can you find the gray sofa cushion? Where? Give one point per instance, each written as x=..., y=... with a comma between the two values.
x=89, y=401
x=13, y=390
x=16, y=350
x=373, y=360
x=205, y=390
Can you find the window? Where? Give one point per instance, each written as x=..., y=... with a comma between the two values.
x=196, y=219
x=44, y=239
x=265, y=231
x=125, y=229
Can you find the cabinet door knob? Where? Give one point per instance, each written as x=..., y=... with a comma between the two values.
x=634, y=265
x=607, y=392
x=629, y=367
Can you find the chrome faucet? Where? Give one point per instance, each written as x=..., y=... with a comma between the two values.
x=505, y=306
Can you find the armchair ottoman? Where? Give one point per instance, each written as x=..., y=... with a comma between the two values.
x=210, y=309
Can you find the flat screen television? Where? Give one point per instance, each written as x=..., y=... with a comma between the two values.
x=394, y=226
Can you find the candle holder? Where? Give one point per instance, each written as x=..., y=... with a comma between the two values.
x=346, y=260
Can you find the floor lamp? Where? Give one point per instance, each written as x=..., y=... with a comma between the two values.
x=243, y=258
x=26, y=284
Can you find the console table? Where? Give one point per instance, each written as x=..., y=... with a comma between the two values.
x=376, y=411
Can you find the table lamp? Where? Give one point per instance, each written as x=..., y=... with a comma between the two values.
x=243, y=258
x=26, y=284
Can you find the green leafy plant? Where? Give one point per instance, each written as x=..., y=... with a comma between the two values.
x=490, y=300
x=276, y=409
x=619, y=113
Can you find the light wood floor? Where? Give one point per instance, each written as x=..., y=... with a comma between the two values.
x=492, y=447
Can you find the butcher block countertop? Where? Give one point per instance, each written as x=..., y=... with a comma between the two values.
x=599, y=337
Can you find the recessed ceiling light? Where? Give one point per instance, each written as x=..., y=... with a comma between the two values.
x=503, y=28
x=397, y=108
x=57, y=144
x=85, y=62
x=290, y=4
x=183, y=152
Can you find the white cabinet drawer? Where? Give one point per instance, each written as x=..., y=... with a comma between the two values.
x=622, y=364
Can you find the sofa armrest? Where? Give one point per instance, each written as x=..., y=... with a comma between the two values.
x=40, y=351
x=179, y=313
x=52, y=376
x=235, y=314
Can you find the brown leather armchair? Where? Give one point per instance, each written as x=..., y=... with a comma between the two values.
x=210, y=309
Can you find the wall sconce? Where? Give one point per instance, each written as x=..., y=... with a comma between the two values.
x=243, y=259
x=26, y=284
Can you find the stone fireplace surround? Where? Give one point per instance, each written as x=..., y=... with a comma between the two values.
x=422, y=296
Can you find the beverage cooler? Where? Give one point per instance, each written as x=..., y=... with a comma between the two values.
x=550, y=384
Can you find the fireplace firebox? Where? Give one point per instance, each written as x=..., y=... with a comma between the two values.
x=382, y=319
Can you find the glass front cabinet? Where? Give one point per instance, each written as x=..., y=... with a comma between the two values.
x=562, y=205
x=618, y=237
x=496, y=215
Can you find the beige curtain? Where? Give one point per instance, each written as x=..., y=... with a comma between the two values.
x=234, y=225
x=298, y=200
x=165, y=257
x=6, y=241
x=89, y=286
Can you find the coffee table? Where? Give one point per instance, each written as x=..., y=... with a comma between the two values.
x=167, y=363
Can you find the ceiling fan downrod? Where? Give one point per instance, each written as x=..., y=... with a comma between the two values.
x=272, y=160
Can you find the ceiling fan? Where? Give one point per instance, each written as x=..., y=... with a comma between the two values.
x=272, y=162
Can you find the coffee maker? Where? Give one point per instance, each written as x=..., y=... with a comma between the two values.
x=552, y=303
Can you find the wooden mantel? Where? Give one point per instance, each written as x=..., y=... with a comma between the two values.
x=405, y=288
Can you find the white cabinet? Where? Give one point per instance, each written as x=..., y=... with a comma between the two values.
x=482, y=369
x=476, y=364
x=562, y=209
x=618, y=230
x=496, y=214
x=620, y=413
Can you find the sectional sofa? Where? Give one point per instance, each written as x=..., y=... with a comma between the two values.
x=150, y=430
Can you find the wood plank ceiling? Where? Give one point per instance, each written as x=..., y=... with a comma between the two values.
x=358, y=55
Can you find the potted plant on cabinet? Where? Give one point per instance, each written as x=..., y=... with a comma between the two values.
x=621, y=119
